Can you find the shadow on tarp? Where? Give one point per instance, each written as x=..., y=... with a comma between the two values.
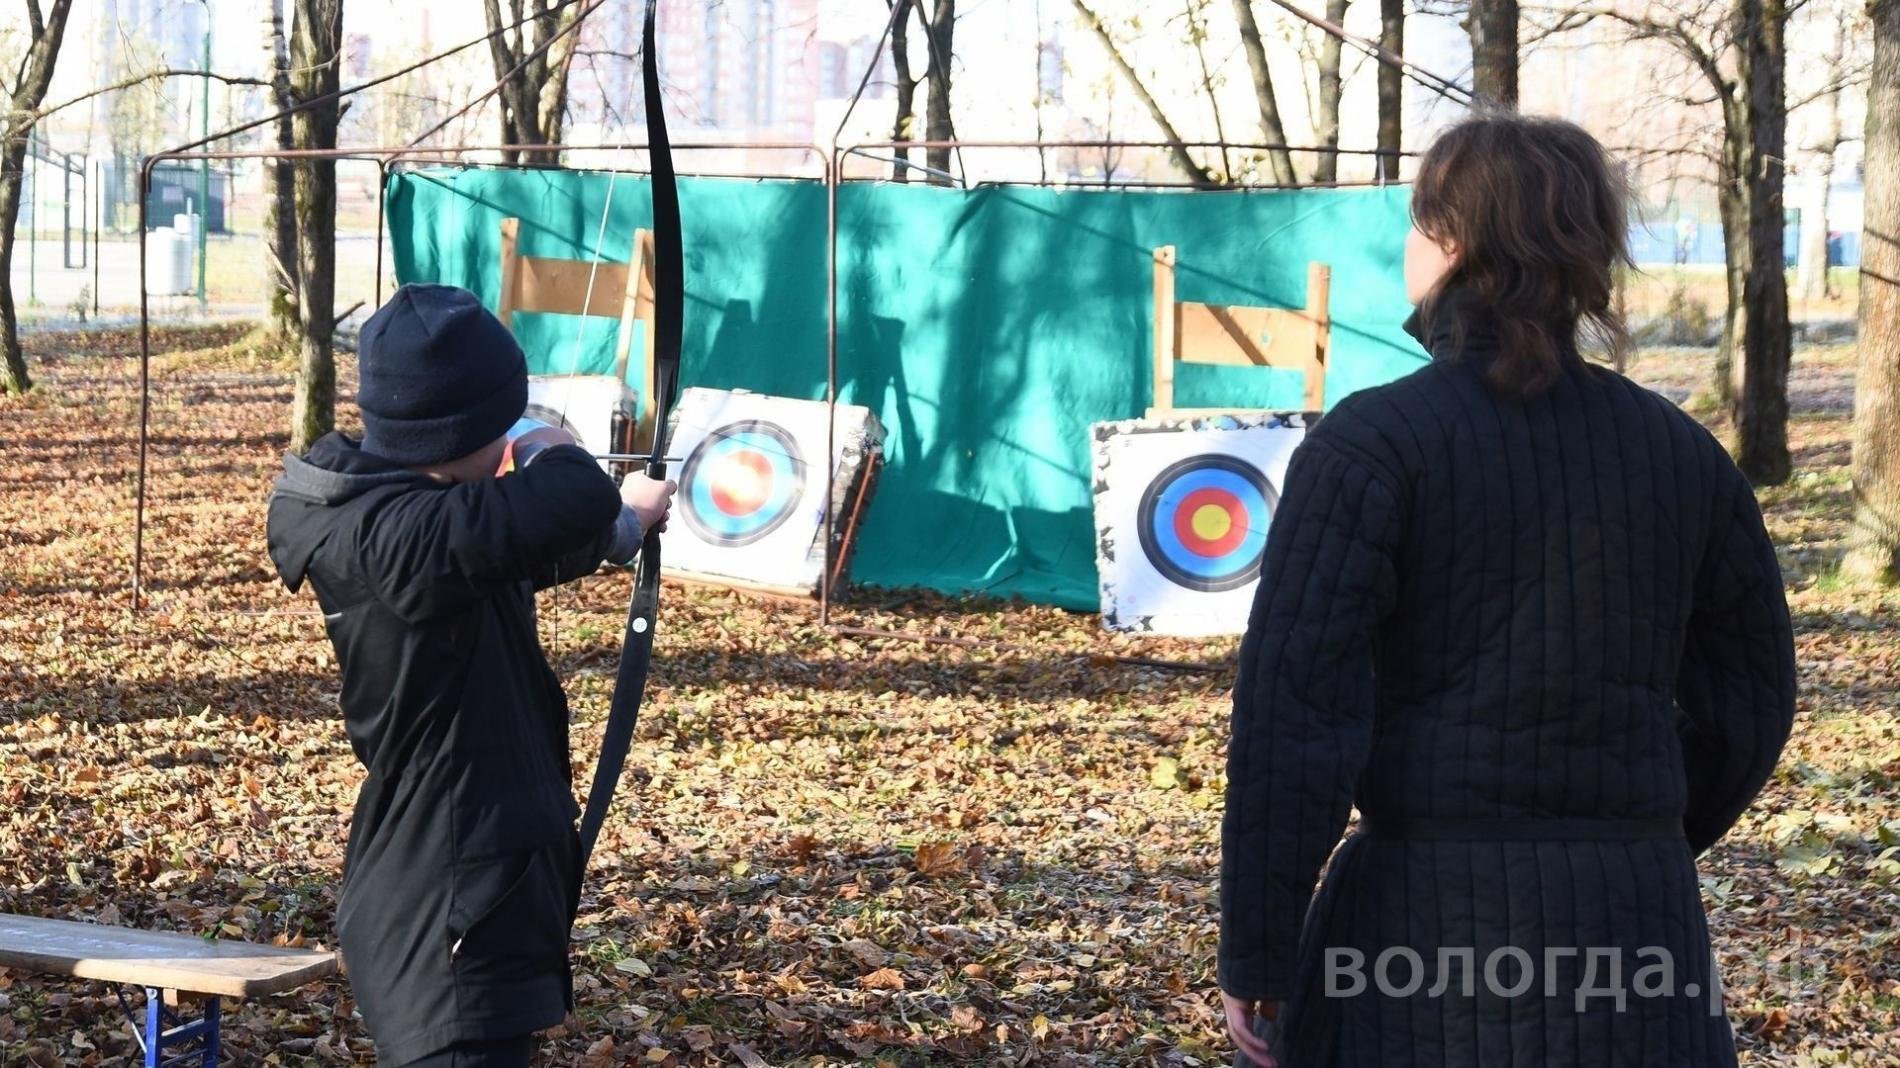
x=987, y=328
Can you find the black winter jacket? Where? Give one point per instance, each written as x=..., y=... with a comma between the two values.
x=462, y=873
x=1507, y=633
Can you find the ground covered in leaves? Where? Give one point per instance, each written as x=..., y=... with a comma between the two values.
x=832, y=849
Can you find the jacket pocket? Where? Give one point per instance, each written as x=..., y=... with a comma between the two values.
x=511, y=917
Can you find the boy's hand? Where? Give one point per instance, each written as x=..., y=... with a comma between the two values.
x=651, y=501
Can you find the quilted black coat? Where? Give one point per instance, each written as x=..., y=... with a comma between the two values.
x=1543, y=647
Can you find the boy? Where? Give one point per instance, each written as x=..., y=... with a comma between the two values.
x=462, y=873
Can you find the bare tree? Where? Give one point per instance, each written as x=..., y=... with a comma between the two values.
x=1391, y=89
x=1196, y=12
x=941, y=30
x=316, y=40
x=280, y=211
x=1811, y=275
x=1177, y=146
x=1492, y=27
x=1752, y=185
x=1874, y=547
x=533, y=97
x=45, y=30
x=905, y=127
x=1271, y=127
x=1331, y=88
x=1740, y=53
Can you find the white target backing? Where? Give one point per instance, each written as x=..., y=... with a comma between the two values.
x=751, y=506
x=590, y=407
x=1182, y=507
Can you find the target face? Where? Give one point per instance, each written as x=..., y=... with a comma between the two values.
x=741, y=482
x=1203, y=522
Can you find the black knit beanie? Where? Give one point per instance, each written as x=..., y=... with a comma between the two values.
x=440, y=377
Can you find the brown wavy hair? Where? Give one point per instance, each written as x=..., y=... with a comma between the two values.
x=1536, y=211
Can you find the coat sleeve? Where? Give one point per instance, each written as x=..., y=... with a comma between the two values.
x=1736, y=685
x=435, y=553
x=618, y=545
x=1303, y=706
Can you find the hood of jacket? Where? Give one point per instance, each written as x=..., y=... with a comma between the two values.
x=334, y=472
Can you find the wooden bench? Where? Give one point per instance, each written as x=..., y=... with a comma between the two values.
x=163, y=964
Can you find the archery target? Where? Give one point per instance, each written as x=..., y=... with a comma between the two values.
x=1203, y=522
x=751, y=504
x=593, y=408
x=1182, y=509
x=742, y=482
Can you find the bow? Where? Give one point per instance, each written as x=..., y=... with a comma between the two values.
x=669, y=302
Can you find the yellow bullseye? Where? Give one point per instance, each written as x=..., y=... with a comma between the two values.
x=1211, y=522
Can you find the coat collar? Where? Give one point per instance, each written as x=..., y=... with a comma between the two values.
x=1454, y=323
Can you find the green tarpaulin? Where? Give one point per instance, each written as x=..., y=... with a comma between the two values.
x=987, y=328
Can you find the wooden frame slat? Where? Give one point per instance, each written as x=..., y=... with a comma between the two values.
x=1238, y=335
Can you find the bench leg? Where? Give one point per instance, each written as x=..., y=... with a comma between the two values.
x=158, y=1036
x=154, y=1027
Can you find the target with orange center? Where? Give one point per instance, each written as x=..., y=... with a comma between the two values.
x=1203, y=522
x=741, y=482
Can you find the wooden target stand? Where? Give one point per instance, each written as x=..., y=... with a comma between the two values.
x=621, y=291
x=1236, y=335
x=625, y=291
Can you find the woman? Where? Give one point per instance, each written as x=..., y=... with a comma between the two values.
x=1524, y=614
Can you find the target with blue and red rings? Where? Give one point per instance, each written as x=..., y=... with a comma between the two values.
x=1203, y=522
x=741, y=482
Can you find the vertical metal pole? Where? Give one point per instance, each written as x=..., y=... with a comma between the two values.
x=66, y=214
x=213, y=1010
x=154, y=1027
x=145, y=395
x=98, y=223
x=33, y=227
x=382, y=191
x=204, y=165
x=832, y=176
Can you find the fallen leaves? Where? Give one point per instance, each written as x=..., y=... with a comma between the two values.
x=828, y=851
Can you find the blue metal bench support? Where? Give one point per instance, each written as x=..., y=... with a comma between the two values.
x=155, y=1036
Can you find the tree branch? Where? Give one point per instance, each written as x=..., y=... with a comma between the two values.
x=137, y=79
x=1676, y=36
x=1177, y=147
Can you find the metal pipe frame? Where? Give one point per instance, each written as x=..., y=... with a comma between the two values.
x=864, y=149
x=385, y=158
x=832, y=175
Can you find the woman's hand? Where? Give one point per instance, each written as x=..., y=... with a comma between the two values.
x=1240, y=1016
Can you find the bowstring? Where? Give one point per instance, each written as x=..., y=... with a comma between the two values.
x=587, y=298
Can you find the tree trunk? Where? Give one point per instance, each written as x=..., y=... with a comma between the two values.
x=1177, y=148
x=937, y=124
x=905, y=127
x=1731, y=199
x=1331, y=88
x=14, y=376
x=280, y=208
x=533, y=99
x=315, y=64
x=1811, y=279
x=1760, y=407
x=45, y=31
x=1874, y=543
x=1197, y=34
x=1492, y=26
x=1391, y=89
x=1271, y=128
